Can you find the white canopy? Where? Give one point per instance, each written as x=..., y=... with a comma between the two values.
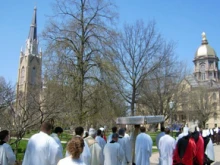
x=137, y=120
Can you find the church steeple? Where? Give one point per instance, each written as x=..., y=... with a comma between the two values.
x=33, y=28
x=32, y=41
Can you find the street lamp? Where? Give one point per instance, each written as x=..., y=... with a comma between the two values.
x=171, y=104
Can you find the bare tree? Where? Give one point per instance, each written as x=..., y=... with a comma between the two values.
x=203, y=104
x=138, y=52
x=162, y=86
x=76, y=36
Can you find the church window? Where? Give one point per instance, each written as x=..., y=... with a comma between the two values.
x=33, y=75
x=22, y=76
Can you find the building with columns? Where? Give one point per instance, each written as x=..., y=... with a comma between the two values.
x=29, y=80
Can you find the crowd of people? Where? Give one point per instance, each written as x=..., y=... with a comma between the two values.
x=191, y=147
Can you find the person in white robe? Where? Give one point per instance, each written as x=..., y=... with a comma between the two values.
x=126, y=135
x=75, y=148
x=95, y=149
x=143, y=148
x=57, y=132
x=101, y=143
x=85, y=156
x=133, y=137
x=7, y=156
x=162, y=133
x=125, y=145
x=208, y=145
x=113, y=152
x=166, y=146
x=114, y=130
x=42, y=149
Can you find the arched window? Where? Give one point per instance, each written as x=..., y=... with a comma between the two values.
x=22, y=73
x=202, y=70
x=33, y=75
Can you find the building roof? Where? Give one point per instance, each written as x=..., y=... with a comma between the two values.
x=205, y=49
x=195, y=83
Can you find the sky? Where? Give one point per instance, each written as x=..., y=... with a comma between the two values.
x=181, y=21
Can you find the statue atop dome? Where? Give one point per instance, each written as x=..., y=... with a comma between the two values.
x=204, y=36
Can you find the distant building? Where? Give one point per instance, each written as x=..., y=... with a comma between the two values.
x=29, y=82
x=205, y=77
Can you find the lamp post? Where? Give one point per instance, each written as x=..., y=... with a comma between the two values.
x=171, y=103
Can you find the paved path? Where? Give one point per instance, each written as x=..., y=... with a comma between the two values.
x=154, y=157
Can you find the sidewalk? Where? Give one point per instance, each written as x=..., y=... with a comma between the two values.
x=154, y=157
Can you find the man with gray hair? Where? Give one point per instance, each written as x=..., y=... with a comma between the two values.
x=95, y=149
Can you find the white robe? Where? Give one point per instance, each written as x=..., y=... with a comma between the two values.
x=109, y=138
x=95, y=150
x=7, y=156
x=42, y=150
x=166, y=146
x=69, y=161
x=85, y=155
x=56, y=138
x=210, y=150
x=113, y=154
x=143, y=149
x=102, y=144
x=126, y=146
x=158, y=137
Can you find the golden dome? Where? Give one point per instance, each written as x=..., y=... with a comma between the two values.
x=205, y=49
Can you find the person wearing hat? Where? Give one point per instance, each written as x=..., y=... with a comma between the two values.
x=185, y=151
x=209, y=156
x=184, y=133
x=166, y=147
x=199, y=159
x=95, y=149
x=113, y=153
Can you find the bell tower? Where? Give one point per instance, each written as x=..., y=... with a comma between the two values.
x=30, y=63
x=206, y=62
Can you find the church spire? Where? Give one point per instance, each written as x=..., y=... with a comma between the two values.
x=32, y=42
x=33, y=28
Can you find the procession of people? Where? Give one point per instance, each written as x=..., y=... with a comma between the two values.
x=191, y=147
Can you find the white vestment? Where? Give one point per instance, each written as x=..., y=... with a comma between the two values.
x=42, y=150
x=56, y=138
x=95, y=150
x=70, y=161
x=7, y=156
x=113, y=154
x=109, y=138
x=85, y=155
x=166, y=146
x=143, y=149
x=158, y=138
x=126, y=146
x=102, y=144
x=210, y=150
